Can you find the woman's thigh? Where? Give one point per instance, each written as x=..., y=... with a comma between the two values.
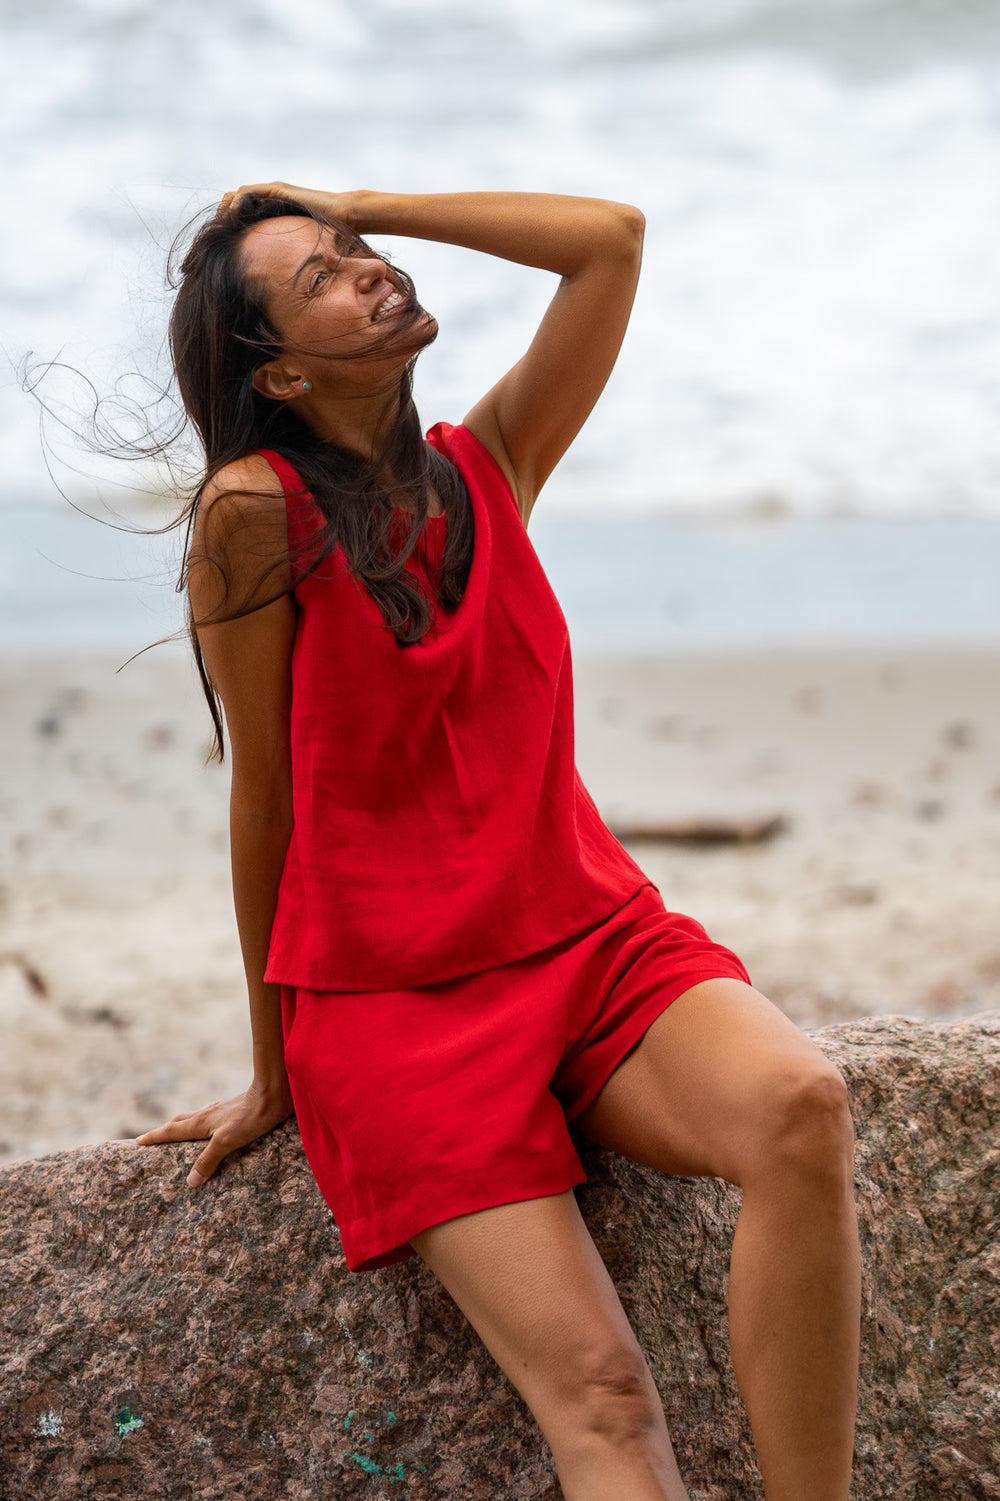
x=530, y=1280
x=719, y=1076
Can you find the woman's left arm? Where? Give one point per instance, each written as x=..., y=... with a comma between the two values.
x=531, y=416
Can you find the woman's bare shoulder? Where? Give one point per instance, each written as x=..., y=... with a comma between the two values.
x=245, y=479
x=241, y=525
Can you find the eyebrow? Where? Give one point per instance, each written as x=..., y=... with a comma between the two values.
x=310, y=262
x=319, y=256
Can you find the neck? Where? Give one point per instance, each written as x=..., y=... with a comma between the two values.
x=360, y=423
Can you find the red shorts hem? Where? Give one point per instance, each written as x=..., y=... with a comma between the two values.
x=603, y=1060
x=365, y=1250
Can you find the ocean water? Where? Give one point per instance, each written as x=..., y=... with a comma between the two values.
x=628, y=583
x=816, y=335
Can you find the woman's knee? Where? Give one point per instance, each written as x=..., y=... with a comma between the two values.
x=807, y=1125
x=610, y=1394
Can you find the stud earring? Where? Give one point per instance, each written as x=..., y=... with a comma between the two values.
x=307, y=385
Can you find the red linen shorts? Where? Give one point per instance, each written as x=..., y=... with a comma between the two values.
x=419, y=1105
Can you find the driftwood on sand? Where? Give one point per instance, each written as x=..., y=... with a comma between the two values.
x=749, y=830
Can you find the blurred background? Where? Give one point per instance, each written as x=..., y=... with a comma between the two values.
x=775, y=541
x=815, y=336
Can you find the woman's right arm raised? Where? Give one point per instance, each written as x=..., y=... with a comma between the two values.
x=239, y=531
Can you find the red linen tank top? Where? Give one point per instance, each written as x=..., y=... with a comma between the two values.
x=440, y=823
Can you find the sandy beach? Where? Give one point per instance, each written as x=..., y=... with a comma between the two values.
x=121, y=982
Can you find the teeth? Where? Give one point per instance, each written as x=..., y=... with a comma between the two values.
x=392, y=301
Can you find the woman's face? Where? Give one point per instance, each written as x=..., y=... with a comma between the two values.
x=330, y=301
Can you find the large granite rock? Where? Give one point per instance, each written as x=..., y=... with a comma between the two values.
x=212, y=1346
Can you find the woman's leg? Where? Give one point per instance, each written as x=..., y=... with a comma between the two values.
x=722, y=1084
x=531, y=1282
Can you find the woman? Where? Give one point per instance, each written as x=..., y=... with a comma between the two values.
x=448, y=955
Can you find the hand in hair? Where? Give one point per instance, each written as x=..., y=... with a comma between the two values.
x=340, y=206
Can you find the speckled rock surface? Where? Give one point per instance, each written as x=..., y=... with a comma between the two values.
x=212, y=1346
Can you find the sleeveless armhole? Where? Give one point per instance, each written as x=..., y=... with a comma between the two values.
x=242, y=530
x=301, y=512
x=492, y=463
x=291, y=480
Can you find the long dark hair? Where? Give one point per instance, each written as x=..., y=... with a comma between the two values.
x=219, y=335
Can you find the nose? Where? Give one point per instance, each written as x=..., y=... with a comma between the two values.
x=371, y=271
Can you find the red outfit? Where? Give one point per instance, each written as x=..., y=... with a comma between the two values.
x=441, y=826
x=465, y=950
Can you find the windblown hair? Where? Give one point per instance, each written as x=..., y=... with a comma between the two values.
x=219, y=335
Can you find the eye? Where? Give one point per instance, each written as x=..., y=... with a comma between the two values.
x=315, y=281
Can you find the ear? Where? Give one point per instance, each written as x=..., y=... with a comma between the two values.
x=276, y=381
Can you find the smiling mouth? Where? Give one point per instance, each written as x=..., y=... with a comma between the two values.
x=393, y=301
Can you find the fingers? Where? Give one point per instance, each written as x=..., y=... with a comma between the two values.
x=227, y=1125
x=227, y=201
x=192, y=1125
x=263, y=189
x=205, y=1165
